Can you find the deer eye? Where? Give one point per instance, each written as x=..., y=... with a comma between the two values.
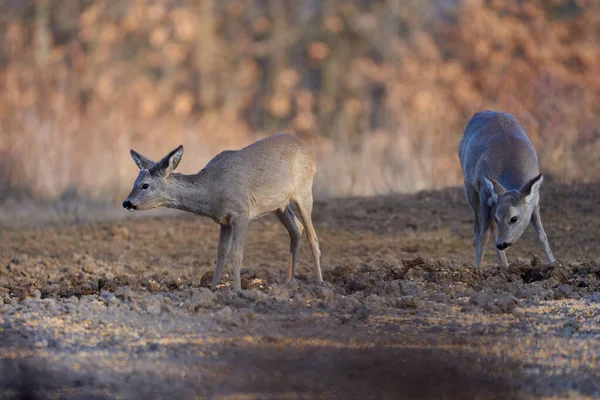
x=145, y=186
x=514, y=220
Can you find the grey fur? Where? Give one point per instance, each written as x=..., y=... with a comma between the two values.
x=502, y=182
x=234, y=188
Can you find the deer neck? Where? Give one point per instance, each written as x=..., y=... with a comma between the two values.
x=190, y=193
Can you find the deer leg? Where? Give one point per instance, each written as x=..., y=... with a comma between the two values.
x=502, y=257
x=239, y=227
x=501, y=253
x=473, y=200
x=481, y=241
x=222, y=250
x=304, y=205
x=483, y=235
x=536, y=219
x=288, y=219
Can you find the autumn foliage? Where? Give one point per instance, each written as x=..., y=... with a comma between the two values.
x=381, y=89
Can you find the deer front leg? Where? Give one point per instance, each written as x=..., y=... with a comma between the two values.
x=483, y=235
x=239, y=227
x=501, y=253
x=481, y=241
x=536, y=220
x=502, y=260
x=222, y=250
x=473, y=200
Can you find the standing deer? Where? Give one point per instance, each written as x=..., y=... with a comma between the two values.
x=235, y=187
x=502, y=182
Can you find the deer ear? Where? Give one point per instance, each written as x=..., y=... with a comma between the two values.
x=494, y=188
x=141, y=161
x=531, y=190
x=171, y=161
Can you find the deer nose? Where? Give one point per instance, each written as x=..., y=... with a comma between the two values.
x=127, y=205
x=503, y=246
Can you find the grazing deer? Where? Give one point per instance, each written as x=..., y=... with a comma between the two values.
x=502, y=182
x=234, y=188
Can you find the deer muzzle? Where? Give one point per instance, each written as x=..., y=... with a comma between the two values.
x=128, y=205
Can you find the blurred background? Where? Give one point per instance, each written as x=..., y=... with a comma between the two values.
x=381, y=89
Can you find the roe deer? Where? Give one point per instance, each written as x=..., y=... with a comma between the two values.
x=235, y=187
x=502, y=182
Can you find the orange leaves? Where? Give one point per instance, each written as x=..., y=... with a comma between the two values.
x=261, y=25
x=333, y=24
x=183, y=104
x=287, y=79
x=279, y=105
x=158, y=36
x=318, y=51
x=247, y=73
x=236, y=67
x=184, y=24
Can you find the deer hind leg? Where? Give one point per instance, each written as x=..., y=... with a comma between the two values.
x=305, y=204
x=239, y=226
x=294, y=228
x=222, y=250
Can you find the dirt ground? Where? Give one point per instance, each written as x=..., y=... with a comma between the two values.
x=121, y=308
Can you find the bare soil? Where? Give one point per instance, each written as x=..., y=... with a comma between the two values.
x=121, y=308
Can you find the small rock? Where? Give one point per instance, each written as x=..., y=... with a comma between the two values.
x=325, y=294
x=253, y=295
x=415, y=274
x=564, y=291
x=119, y=232
x=356, y=284
x=349, y=302
x=408, y=302
x=113, y=302
x=560, y=272
x=389, y=289
x=410, y=288
x=71, y=308
x=203, y=298
x=361, y=313
x=280, y=293
x=206, y=279
x=153, y=286
x=88, y=267
x=72, y=300
x=153, y=307
x=105, y=294
x=494, y=303
x=82, y=290
x=123, y=293
x=109, y=298
x=376, y=303
x=50, y=304
x=225, y=312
